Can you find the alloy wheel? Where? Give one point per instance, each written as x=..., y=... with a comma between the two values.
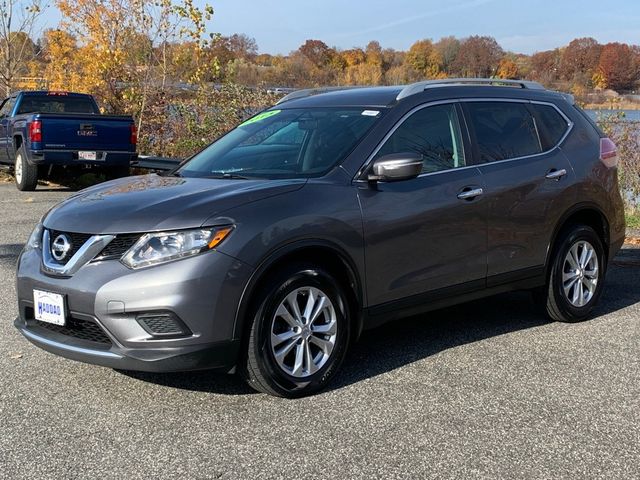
x=303, y=332
x=580, y=273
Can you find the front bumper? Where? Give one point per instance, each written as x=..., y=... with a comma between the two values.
x=165, y=359
x=105, y=299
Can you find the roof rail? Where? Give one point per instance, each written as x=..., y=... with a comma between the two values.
x=308, y=92
x=422, y=86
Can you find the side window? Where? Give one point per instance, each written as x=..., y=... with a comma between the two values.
x=551, y=124
x=433, y=132
x=504, y=130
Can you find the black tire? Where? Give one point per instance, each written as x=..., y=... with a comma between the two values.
x=26, y=175
x=556, y=303
x=260, y=369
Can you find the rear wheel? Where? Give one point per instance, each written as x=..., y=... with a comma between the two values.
x=299, y=333
x=577, y=275
x=26, y=175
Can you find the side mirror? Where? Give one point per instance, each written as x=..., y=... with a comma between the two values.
x=396, y=167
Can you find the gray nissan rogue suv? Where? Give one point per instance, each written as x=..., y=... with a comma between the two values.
x=332, y=212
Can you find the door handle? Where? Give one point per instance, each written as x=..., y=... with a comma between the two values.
x=555, y=174
x=470, y=193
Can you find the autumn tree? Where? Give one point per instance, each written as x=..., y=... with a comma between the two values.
x=545, y=66
x=617, y=67
x=447, y=48
x=124, y=47
x=424, y=59
x=373, y=52
x=18, y=21
x=59, y=51
x=354, y=56
x=478, y=57
x=317, y=52
x=507, y=69
x=580, y=59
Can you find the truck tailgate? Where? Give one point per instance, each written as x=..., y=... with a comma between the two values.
x=86, y=132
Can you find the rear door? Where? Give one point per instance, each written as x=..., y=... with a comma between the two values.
x=423, y=235
x=529, y=181
x=6, y=109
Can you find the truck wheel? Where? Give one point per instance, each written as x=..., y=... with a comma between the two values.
x=26, y=174
x=299, y=333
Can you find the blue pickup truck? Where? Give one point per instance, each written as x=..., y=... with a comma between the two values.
x=43, y=130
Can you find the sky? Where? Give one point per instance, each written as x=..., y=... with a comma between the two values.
x=523, y=26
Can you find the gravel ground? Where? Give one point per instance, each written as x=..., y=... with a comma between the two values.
x=489, y=389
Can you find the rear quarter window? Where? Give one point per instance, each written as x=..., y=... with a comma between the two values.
x=504, y=130
x=551, y=125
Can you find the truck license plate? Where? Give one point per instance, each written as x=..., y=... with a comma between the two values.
x=88, y=156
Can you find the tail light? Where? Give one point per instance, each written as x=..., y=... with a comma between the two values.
x=608, y=152
x=35, y=131
x=134, y=134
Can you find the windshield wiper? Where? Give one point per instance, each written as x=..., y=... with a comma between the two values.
x=230, y=176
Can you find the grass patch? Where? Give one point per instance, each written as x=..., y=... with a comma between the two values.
x=633, y=220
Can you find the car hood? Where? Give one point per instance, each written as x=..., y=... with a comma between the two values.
x=154, y=203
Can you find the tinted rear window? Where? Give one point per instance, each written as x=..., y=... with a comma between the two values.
x=56, y=104
x=504, y=130
x=551, y=124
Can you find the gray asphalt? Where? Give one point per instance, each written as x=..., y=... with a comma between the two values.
x=488, y=389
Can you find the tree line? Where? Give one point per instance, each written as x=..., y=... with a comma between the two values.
x=156, y=59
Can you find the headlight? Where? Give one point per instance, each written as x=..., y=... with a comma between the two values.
x=162, y=247
x=35, y=239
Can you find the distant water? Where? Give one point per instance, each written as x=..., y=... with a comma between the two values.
x=630, y=115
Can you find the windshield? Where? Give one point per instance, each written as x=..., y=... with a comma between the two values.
x=56, y=104
x=290, y=143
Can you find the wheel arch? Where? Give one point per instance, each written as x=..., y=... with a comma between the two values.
x=583, y=213
x=18, y=141
x=322, y=252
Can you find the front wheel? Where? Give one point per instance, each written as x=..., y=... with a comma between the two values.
x=577, y=275
x=26, y=175
x=299, y=334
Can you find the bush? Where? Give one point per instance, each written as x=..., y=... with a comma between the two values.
x=181, y=123
x=626, y=135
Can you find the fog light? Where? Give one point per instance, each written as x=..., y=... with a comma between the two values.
x=163, y=324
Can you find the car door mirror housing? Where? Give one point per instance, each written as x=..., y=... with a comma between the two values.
x=396, y=167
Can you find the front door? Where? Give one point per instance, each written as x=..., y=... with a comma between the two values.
x=5, y=111
x=428, y=233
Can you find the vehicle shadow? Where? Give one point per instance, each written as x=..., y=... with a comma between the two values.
x=403, y=342
x=197, y=381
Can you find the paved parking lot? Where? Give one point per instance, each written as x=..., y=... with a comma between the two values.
x=485, y=390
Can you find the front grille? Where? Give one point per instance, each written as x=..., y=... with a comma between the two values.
x=80, y=329
x=118, y=246
x=77, y=240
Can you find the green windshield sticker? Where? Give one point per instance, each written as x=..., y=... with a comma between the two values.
x=261, y=116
